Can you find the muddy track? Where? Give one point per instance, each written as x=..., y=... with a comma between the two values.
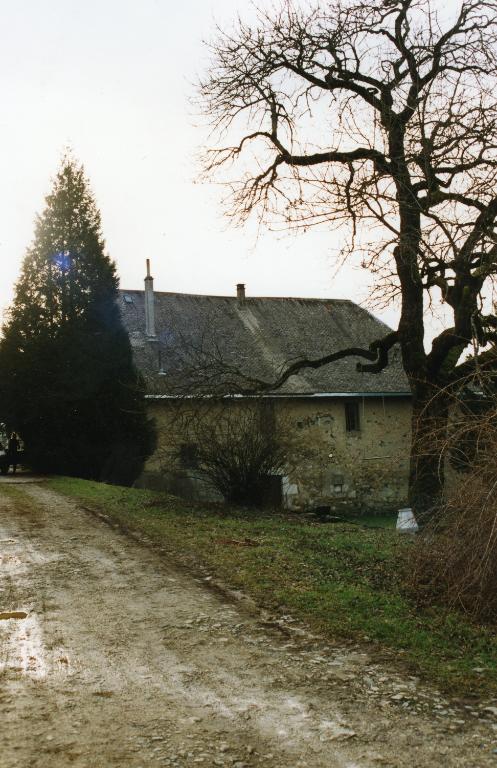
x=123, y=660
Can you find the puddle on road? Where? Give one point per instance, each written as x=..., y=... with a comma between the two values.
x=4, y=615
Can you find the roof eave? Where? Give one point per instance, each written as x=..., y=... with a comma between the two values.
x=280, y=395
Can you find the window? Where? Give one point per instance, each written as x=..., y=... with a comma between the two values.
x=188, y=456
x=352, y=422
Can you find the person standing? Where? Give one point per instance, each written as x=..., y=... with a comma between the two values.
x=13, y=450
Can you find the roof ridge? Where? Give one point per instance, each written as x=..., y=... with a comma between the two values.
x=235, y=298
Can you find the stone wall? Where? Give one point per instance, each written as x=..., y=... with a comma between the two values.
x=365, y=469
x=327, y=465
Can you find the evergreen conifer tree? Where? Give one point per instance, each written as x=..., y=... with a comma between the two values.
x=67, y=380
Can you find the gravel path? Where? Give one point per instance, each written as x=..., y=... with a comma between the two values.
x=123, y=660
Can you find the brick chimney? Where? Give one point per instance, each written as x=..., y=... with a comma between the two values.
x=149, y=304
x=240, y=292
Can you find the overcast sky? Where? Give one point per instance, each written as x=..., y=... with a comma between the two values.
x=112, y=78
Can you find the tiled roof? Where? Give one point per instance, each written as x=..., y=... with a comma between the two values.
x=205, y=341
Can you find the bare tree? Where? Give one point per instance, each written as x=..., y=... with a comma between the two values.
x=381, y=116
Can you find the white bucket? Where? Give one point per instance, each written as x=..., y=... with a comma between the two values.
x=406, y=522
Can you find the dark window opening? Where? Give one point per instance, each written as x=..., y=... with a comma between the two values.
x=188, y=456
x=352, y=422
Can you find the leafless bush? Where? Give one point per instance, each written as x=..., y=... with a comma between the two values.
x=454, y=560
x=236, y=450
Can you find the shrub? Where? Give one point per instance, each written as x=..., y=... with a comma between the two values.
x=454, y=560
x=237, y=450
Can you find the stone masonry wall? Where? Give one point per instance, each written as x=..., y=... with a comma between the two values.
x=365, y=469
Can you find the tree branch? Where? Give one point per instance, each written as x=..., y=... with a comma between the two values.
x=488, y=358
x=377, y=353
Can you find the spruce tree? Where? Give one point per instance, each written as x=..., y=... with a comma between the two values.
x=67, y=380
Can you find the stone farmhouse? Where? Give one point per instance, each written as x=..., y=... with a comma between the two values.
x=348, y=433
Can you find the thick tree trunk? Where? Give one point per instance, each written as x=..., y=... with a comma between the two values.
x=429, y=419
x=429, y=432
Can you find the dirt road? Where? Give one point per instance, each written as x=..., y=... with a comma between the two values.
x=122, y=660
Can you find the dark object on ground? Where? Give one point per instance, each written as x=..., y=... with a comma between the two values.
x=324, y=515
x=332, y=519
x=322, y=510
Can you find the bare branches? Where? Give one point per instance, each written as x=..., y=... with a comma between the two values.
x=375, y=115
x=377, y=353
x=486, y=360
x=235, y=450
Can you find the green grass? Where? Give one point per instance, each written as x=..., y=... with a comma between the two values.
x=372, y=521
x=344, y=580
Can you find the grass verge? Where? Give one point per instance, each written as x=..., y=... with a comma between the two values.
x=344, y=580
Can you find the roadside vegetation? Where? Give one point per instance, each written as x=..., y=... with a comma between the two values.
x=345, y=580
x=454, y=562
